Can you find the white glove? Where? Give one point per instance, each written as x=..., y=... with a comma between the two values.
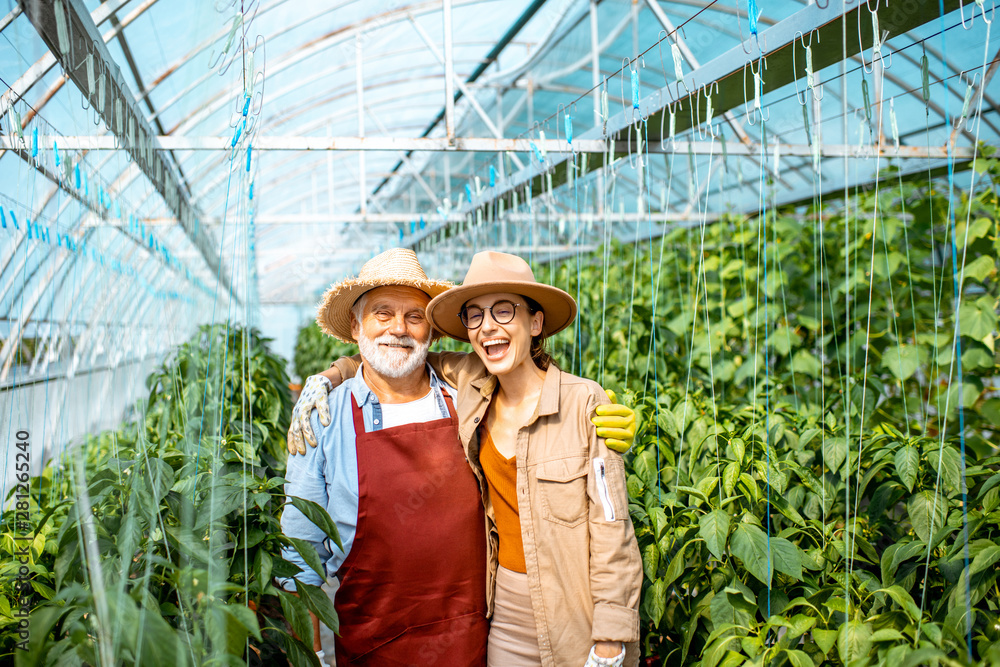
x=313, y=397
x=594, y=661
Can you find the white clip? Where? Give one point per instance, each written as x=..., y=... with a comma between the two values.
x=758, y=85
x=675, y=51
x=892, y=122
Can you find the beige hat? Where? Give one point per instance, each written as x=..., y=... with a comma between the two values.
x=396, y=266
x=492, y=272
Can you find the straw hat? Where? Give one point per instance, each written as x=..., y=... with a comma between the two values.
x=396, y=266
x=492, y=272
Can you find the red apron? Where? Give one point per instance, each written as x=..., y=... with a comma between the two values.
x=413, y=589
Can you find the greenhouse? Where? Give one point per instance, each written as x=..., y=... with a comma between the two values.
x=238, y=236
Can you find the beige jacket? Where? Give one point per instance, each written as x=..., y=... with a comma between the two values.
x=583, y=562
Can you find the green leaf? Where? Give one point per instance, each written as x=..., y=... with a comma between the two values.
x=246, y=618
x=676, y=567
x=739, y=448
x=904, y=600
x=299, y=653
x=651, y=560
x=888, y=635
x=854, y=641
x=318, y=516
x=644, y=465
x=920, y=506
x=977, y=356
x=730, y=475
x=800, y=624
x=951, y=468
x=979, y=228
x=980, y=268
x=806, y=363
x=799, y=658
x=985, y=559
x=907, y=464
x=834, y=452
x=297, y=614
x=658, y=518
x=319, y=603
x=656, y=600
x=903, y=360
x=786, y=557
x=714, y=529
x=309, y=555
x=977, y=319
x=749, y=544
x=825, y=639
x=262, y=568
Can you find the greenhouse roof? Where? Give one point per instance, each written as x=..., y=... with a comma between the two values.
x=275, y=149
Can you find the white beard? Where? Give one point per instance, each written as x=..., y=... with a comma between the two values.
x=393, y=362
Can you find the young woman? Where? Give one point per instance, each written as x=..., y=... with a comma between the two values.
x=563, y=556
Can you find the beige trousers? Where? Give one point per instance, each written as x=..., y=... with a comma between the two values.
x=513, y=636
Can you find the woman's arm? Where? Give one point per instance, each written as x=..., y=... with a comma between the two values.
x=615, y=563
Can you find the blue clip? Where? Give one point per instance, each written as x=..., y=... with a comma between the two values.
x=76, y=175
x=47, y=235
x=569, y=127
x=468, y=192
x=538, y=153
x=400, y=234
x=246, y=105
x=413, y=226
x=3, y=219
x=30, y=230
x=55, y=152
x=86, y=186
x=251, y=190
x=118, y=210
x=249, y=148
x=493, y=176
x=14, y=219
x=635, y=87
x=422, y=223
x=752, y=14
x=34, y=142
x=239, y=131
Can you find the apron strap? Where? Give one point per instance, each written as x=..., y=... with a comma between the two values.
x=450, y=404
x=359, y=420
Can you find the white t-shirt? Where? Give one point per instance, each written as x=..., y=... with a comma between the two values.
x=415, y=412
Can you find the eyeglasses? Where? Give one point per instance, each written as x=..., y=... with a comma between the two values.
x=502, y=312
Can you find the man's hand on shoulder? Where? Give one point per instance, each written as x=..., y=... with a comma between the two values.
x=616, y=424
x=313, y=397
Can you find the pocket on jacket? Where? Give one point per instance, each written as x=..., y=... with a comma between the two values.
x=562, y=489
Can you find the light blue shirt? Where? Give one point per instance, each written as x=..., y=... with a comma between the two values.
x=328, y=474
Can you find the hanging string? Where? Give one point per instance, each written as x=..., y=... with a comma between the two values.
x=958, y=343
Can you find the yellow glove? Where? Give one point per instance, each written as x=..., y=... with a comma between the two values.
x=615, y=423
x=313, y=397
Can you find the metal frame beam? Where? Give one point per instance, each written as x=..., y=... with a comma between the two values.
x=118, y=108
x=554, y=147
x=728, y=71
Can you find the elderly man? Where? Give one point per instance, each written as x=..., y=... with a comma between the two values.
x=390, y=469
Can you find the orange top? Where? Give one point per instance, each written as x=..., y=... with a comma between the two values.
x=501, y=477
